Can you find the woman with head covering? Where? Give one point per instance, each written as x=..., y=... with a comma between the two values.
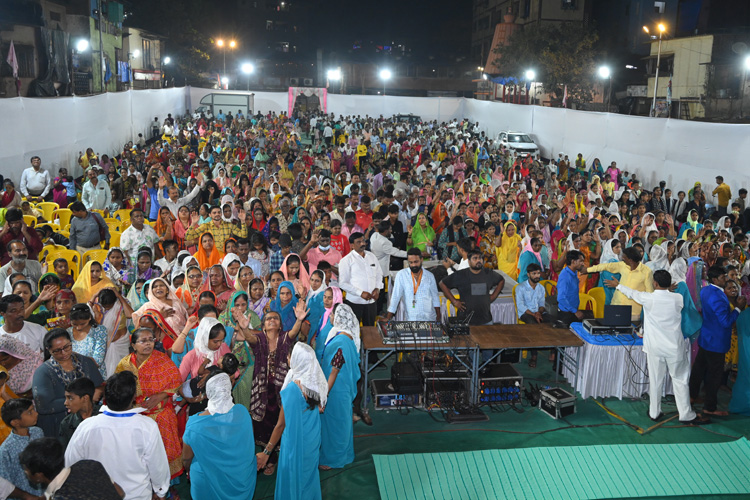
x=244, y=276
x=285, y=304
x=118, y=269
x=509, y=250
x=190, y=288
x=658, y=260
x=164, y=227
x=90, y=281
x=296, y=273
x=691, y=223
x=210, y=343
x=305, y=389
x=62, y=366
x=163, y=299
x=422, y=235
x=341, y=368
x=207, y=255
x=271, y=348
x=259, y=302
x=145, y=268
x=315, y=302
x=181, y=226
x=610, y=253
x=239, y=305
x=530, y=255
x=158, y=381
x=21, y=362
x=220, y=284
x=218, y=448
x=231, y=264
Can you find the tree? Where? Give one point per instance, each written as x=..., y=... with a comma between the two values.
x=560, y=54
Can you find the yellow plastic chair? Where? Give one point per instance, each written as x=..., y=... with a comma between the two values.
x=47, y=249
x=515, y=306
x=550, y=286
x=48, y=210
x=114, y=238
x=65, y=232
x=113, y=224
x=123, y=214
x=586, y=302
x=599, y=299
x=97, y=255
x=72, y=256
x=64, y=214
x=30, y=220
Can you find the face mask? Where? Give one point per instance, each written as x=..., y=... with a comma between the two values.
x=324, y=249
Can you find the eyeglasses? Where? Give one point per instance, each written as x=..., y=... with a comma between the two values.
x=61, y=350
x=149, y=340
x=195, y=276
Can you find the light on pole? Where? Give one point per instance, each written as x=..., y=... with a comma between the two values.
x=745, y=69
x=530, y=77
x=225, y=82
x=222, y=44
x=385, y=75
x=248, y=68
x=661, y=28
x=167, y=60
x=604, y=72
x=82, y=45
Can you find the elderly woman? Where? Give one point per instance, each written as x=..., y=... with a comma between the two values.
x=218, y=446
x=61, y=368
x=220, y=284
x=304, y=391
x=271, y=348
x=158, y=380
x=341, y=367
x=162, y=298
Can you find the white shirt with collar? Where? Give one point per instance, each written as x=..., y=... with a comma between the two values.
x=174, y=206
x=662, y=321
x=96, y=197
x=359, y=274
x=134, y=455
x=35, y=181
x=383, y=249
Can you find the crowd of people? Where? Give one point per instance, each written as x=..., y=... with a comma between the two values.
x=221, y=335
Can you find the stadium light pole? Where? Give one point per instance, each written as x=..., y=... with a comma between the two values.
x=531, y=77
x=248, y=68
x=385, y=75
x=661, y=28
x=604, y=72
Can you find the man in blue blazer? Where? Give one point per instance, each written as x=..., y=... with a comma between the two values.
x=714, y=341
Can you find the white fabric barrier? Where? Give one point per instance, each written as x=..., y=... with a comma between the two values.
x=56, y=129
x=263, y=101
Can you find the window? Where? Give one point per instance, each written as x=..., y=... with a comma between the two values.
x=569, y=4
x=666, y=65
x=25, y=57
x=659, y=7
x=148, y=54
x=55, y=16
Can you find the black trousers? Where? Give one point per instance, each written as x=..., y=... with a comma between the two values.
x=366, y=313
x=569, y=318
x=708, y=369
x=531, y=320
x=722, y=211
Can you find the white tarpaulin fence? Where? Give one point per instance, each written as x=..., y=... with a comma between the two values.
x=677, y=151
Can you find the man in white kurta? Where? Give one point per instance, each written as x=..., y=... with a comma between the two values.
x=127, y=444
x=665, y=346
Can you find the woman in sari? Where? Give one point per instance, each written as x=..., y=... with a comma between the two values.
x=439, y=218
x=62, y=367
x=557, y=262
x=220, y=284
x=163, y=299
x=117, y=268
x=21, y=362
x=158, y=381
x=163, y=332
x=207, y=255
x=341, y=368
x=190, y=288
x=530, y=255
x=244, y=385
x=304, y=391
x=509, y=250
x=271, y=349
x=591, y=250
x=296, y=273
x=740, y=402
x=145, y=269
x=610, y=253
x=231, y=264
x=90, y=281
x=315, y=303
x=285, y=304
x=244, y=276
x=180, y=228
x=331, y=297
x=422, y=235
x=112, y=311
x=259, y=302
x=210, y=344
x=218, y=449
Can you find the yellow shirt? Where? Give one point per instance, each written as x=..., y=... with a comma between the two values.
x=641, y=279
x=724, y=193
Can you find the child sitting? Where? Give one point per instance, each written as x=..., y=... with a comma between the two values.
x=79, y=400
x=63, y=272
x=20, y=416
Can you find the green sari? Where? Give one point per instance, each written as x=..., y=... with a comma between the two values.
x=244, y=386
x=420, y=237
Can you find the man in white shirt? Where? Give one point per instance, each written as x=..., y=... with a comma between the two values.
x=328, y=134
x=174, y=202
x=127, y=444
x=35, y=182
x=383, y=248
x=417, y=290
x=12, y=310
x=137, y=235
x=95, y=194
x=361, y=277
x=20, y=263
x=665, y=346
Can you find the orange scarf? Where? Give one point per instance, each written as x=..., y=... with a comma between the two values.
x=204, y=260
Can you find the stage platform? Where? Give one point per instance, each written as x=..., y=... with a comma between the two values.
x=568, y=473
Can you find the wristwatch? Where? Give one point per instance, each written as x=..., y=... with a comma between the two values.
x=266, y=452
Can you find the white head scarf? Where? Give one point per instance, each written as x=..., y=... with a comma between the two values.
x=201, y=340
x=608, y=255
x=570, y=245
x=657, y=258
x=304, y=367
x=652, y=226
x=219, y=394
x=312, y=293
x=345, y=321
x=227, y=261
x=678, y=270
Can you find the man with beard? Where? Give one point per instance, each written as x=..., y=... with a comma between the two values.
x=16, y=229
x=417, y=289
x=477, y=286
x=530, y=304
x=20, y=263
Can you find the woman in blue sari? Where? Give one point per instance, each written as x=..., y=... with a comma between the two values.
x=315, y=303
x=218, y=448
x=284, y=304
x=341, y=367
x=305, y=390
x=530, y=255
x=331, y=297
x=610, y=253
x=740, y=402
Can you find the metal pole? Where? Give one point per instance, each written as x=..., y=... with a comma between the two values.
x=224, y=53
x=609, y=96
x=656, y=79
x=742, y=95
x=101, y=47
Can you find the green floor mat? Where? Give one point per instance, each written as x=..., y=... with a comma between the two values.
x=573, y=472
